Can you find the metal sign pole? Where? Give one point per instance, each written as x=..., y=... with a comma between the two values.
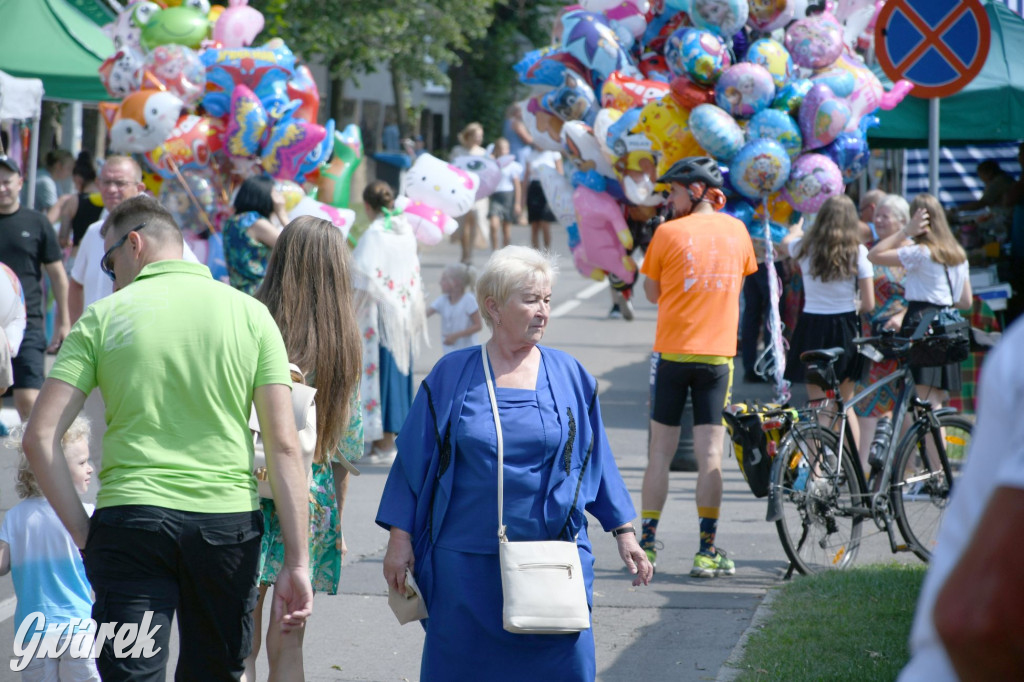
x=933, y=146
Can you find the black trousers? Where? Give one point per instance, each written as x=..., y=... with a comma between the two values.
x=143, y=559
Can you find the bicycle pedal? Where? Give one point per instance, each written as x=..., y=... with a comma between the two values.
x=903, y=548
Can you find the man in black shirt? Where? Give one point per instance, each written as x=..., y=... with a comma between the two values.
x=28, y=244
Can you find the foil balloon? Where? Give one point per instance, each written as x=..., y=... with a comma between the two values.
x=302, y=88
x=441, y=185
x=264, y=70
x=778, y=231
x=777, y=125
x=721, y=17
x=622, y=93
x=654, y=67
x=604, y=235
x=583, y=151
x=779, y=209
x=342, y=218
x=745, y=89
x=545, y=128
x=185, y=25
x=815, y=42
x=573, y=100
x=768, y=15
x=487, y=169
x=192, y=203
x=868, y=93
x=238, y=25
x=334, y=184
x=121, y=73
x=558, y=193
x=699, y=55
x=759, y=168
x=320, y=153
x=429, y=224
x=292, y=193
x=850, y=150
x=773, y=56
x=285, y=154
x=822, y=116
x=665, y=124
x=716, y=131
x=813, y=179
x=247, y=124
x=690, y=95
x=179, y=70
x=588, y=37
x=740, y=210
x=142, y=121
x=124, y=31
x=190, y=145
x=547, y=66
x=791, y=96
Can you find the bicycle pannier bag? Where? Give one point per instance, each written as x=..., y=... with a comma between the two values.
x=750, y=443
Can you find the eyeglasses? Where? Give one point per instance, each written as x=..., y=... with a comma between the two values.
x=119, y=184
x=105, y=265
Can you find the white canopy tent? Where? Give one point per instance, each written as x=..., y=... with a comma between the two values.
x=22, y=99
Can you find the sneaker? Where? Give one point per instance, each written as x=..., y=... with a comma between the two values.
x=652, y=551
x=378, y=456
x=615, y=313
x=623, y=304
x=707, y=566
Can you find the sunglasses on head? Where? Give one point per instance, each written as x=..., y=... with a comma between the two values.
x=105, y=265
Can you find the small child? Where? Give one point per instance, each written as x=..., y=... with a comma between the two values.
x=507, y=200
x=46, y=566
x=460, y=316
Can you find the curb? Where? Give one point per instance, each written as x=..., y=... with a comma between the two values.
x=731, y=669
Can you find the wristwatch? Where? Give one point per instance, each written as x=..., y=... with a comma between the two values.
x=622, y=531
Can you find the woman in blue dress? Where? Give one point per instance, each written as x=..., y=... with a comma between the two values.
x=440, y=499
x=249, y=235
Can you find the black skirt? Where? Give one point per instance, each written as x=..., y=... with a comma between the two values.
x=946, y=377
x=537, y=209
x=814, y=331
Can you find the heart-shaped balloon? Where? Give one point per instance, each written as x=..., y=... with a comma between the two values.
x=822, y=116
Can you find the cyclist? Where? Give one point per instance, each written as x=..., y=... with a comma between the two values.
x=695, y=267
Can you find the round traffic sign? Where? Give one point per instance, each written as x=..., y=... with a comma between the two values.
x=938, y=45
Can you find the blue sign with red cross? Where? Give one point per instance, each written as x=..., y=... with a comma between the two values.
x=938, y=45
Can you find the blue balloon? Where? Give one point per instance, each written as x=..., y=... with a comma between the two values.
x=840, y=82
x=778, y=232
x=716, y=131
x=791, y=96
x=574, y=236
x=777, y=125
x=760, y=168
x=740, y=210
x=591, y=179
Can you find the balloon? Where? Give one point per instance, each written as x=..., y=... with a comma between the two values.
x=654, y=67
x=190, y=145
x=792, y=96
x=573, y=100
x=264, y=70
x=689, y=94
x=776, y=125
x=744, y=89
x=215, y=258
x=768, y=15
x=238, y=25
x=773, y=56
x=740, y=45
x=628, y=16
x=604, y=235
x=191, y=204
x=319, y=154
x=558, y=193
x=722, y=17
x=303, y=88
x=778, y=231
x=760, y=168
x=544, y=127
x=583, y=150
x=124, y=31
x=740, y=210
x=813, y=179
x=716, y=131
x=547, y=66
x=428, y=224
x=780, y=210
x=700, y=55
x=487, y=169
x=179, y=70
x=822, y=117
x=342, y=218
x=441, y=185
x=247, y=124
x=622, y=92
x=868, y=93
x=815, y=42
x=336, y=177
x=664, y=123
x=186, y=26
x=588, y=37
x=288, y=144
x=291, y=191
x=142, y=121
x=850, y=150
x=121, y=73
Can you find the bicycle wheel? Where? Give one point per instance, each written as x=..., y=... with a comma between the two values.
x=817, y=528
x=920, y=489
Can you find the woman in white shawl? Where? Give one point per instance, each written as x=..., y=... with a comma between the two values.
x=392, y=318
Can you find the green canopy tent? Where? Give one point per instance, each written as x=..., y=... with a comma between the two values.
x=53, y=41
x=989, y=109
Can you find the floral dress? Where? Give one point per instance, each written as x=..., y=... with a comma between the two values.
x=324, y=519
x=889, y=301
x=246, y=258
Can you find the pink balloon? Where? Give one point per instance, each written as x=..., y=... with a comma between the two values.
x=812, y=179
x=429, y=224
x=768, y=15
x=238, y=25
x=604, y=235
x=822, y=116
x=815, y=42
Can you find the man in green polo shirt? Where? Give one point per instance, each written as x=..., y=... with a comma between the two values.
x=179, y=359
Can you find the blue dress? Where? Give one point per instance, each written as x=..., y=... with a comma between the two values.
x=556, y=459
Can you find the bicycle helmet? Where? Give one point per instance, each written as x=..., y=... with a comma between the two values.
x=694, y=169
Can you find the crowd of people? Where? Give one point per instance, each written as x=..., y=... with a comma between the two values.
x=178, y=527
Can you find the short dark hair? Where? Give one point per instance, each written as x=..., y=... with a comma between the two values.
x=254, y=195
x=133, y=212
x=57, y=156
x=989, y=166
x=84, y=167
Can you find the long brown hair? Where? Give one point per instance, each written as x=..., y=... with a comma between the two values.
x=832, y=243
x=939, y=239
x=308, y=290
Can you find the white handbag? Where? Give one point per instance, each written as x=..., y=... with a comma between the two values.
x=305, y=422
x=542, y=582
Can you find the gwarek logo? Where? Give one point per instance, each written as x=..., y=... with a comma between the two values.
x=81, y=638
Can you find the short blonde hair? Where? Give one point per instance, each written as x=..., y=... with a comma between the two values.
x=463, y=273
x=27, y=486
x=898, y=205
x=510, y=269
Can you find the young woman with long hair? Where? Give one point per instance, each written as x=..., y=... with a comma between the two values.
x=308, y=290
x=838, y=284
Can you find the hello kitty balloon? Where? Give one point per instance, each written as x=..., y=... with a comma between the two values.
x=437, y=190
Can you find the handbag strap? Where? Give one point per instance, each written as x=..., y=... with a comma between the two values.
x=501, y=449
x=949, y=283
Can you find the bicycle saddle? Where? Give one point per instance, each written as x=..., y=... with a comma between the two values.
x=826, y=354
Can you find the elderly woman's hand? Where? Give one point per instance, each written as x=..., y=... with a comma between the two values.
x=398, y=557
x=635, y=558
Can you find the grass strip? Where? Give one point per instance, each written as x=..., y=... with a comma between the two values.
x=841, y=625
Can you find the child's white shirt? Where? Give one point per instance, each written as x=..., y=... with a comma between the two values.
x=455, y=317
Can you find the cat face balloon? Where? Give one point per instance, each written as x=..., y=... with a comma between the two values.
x=441, y=185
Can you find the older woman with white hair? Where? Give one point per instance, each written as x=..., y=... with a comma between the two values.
x=440, y=501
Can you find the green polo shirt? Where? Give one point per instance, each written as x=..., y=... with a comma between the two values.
x=176, y=356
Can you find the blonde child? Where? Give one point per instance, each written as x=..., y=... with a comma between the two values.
x=49, y=577
x=460, y=316
x=507, y=200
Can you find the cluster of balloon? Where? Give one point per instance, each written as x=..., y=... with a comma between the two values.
x=198, y=102
x=776, y=91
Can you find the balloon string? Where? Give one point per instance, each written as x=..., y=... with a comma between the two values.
x=782, y=394
x=195, y=202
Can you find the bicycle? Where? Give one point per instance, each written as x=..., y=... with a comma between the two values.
x=819, y=502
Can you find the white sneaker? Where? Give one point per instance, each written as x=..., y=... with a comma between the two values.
x=623, y=304
x=378, y=456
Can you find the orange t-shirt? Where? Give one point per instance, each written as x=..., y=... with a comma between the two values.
x=700, y=262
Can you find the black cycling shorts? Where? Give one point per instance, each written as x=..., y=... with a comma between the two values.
x=710, y=386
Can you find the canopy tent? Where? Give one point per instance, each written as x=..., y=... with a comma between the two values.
x=53, y=41
x=21, y=99
x=989, y=109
